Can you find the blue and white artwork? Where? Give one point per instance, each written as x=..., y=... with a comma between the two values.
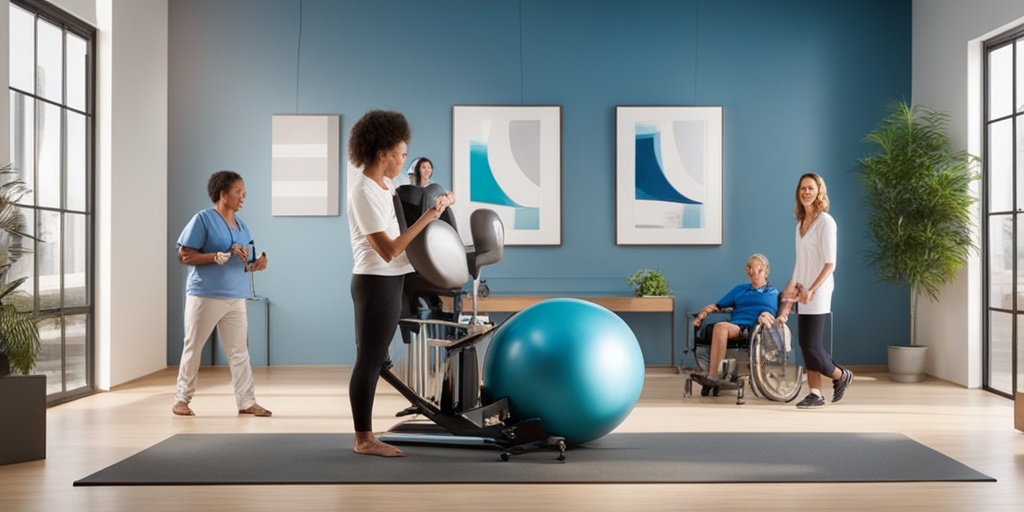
x=668, y=175
x=508, y=159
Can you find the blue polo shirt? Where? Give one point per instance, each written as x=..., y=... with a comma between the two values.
x=748, y=303
x=209, y=232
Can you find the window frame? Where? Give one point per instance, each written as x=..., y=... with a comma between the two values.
x=1015, y=40
x=67, y=24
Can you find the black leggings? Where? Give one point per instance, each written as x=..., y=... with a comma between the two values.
x=378, y=304
x=810, y=329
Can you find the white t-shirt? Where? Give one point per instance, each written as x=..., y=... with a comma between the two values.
x=813, y=250
x=371, y=209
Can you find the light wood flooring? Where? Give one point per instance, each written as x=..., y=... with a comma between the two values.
x=84, y=436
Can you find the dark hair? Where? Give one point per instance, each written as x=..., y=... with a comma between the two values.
x=378, y=130
x=220, y=182
x=416, y=176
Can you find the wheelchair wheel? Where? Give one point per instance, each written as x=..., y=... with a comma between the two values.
x=773, y=368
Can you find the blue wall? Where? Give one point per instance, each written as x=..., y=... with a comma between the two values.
x=800, y=81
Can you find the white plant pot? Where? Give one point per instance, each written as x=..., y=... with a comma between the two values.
x=907, y=362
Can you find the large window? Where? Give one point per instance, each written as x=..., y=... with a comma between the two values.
x=1003, y=230
x=51, y=102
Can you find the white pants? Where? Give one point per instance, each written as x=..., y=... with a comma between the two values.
x=202, y=314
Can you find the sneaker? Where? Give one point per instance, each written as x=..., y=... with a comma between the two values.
x=811, y=401
x=839, y=386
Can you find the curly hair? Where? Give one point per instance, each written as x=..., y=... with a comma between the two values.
x=376, y=131
x=820, y=203
x=220, y=182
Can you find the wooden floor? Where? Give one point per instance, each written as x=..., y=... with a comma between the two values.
x=972, y=426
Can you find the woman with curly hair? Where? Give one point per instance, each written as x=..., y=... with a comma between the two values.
x=379, y=145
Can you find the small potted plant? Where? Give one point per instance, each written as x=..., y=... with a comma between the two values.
x=920, y=228
x=649, y=282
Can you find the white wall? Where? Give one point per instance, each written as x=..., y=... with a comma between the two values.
x=84, y=10
x=5, y=76
x=132, y=192
x=947, y=38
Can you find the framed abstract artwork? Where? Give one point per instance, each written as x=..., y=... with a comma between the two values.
x=305, y=165
x=509, y=159
x=668, y=175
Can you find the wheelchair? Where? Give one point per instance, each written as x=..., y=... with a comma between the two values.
x=763, y=359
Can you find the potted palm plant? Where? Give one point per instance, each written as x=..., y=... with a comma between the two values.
x=19, y=336
x=920, y=228
x=22, y=397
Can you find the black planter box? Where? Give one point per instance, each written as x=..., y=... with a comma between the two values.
x=22, y=418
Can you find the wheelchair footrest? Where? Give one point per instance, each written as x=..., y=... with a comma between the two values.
x=711, y=387
x=727, y=385
x=703, y=380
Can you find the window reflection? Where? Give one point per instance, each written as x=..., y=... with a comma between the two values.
x=48, y=153
x=76, y=350
x=23, y=141
x=75, y=260
x=76, y=162
x=51, y=361
x=1000, y=262
x=77, y=60
x=22, y=35
x=49, y=57
x=1000, y=355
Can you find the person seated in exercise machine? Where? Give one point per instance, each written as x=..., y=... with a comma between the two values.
x=753, y=302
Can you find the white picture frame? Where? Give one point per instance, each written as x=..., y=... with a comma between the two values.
x=509, y=159
x=305, y=165
x=668, y=175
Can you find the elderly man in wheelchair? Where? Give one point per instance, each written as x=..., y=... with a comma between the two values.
x=750, y=327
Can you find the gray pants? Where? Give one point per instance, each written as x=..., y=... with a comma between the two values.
x=202, y=314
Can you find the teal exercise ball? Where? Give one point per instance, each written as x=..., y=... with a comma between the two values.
x=574, y=364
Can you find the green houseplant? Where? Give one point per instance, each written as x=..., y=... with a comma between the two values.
x=649, y=282
x=19, y=335
x=22, y=397
x=919, y=197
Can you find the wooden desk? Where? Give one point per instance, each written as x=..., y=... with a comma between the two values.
x=621, y=304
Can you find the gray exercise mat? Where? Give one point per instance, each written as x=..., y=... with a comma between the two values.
x=259, y=459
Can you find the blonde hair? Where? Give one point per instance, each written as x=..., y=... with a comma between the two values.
x=820, y=203
x=762, y=259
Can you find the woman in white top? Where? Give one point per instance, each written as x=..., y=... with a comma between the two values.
x=379, y=145
x=811, y=286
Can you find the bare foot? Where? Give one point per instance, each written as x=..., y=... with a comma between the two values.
x=182, y=409
x=370, y=445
